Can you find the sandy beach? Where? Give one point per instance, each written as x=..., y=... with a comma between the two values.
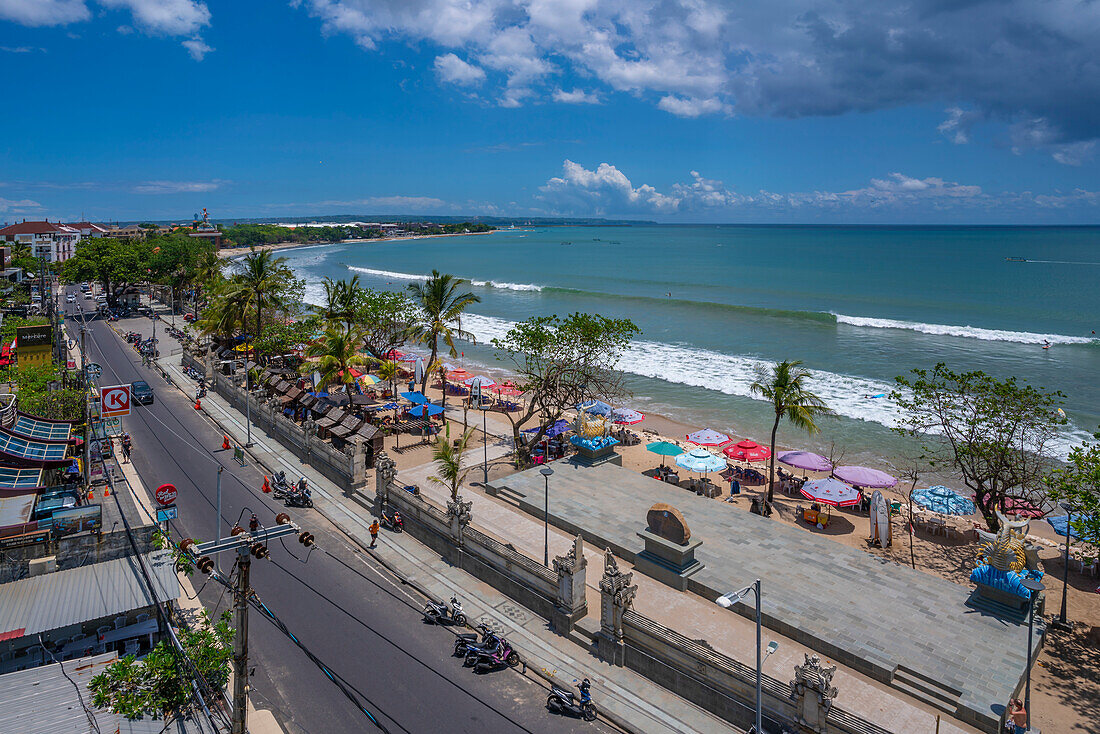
x=231, y=252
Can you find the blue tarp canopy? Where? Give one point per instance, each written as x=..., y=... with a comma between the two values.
x=560, y=427
x=1060, y=522
x=415, y=397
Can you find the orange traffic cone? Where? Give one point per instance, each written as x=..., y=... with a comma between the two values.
x=267, y=487
x=106, y=492
x=91, y=495
x=198, y=404
x=225, y=442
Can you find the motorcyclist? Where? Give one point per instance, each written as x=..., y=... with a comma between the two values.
x=586, y=690
x=397, y=518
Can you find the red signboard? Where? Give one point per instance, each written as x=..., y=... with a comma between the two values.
x=166, y=494
x=114, y=401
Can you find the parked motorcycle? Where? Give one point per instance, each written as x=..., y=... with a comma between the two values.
x=440, y=613
x=279, y=486
x=294, y=498
x=393, y=521
x=485, y=661
x=562, y=701
x=468, y=641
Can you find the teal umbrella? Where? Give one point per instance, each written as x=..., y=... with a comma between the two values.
x=664, y=448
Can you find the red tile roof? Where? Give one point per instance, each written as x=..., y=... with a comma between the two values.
x=34, y=228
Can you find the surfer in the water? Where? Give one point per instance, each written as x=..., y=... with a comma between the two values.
x=1046, y=344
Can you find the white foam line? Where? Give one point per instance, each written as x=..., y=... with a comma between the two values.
x=970, y=332
x=478, y=283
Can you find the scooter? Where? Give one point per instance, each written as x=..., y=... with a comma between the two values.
x=279, y=487
x=393, y=521
x=468, y=641
x=561, y=701
x=485, y=661
x=295, y=498
x=439, y=613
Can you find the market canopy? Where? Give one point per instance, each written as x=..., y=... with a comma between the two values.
x=831, y=491
x=16, y=450
x=747, y=450
x=13, y=477
x=46, y=430
x=708, y=437
x=942, y=500
x=805, y=460
x=862, y=476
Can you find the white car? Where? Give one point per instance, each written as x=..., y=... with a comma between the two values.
x=70, y=298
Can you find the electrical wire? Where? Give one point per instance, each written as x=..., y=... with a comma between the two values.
x=79, y=694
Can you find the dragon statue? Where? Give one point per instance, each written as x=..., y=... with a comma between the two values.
x=1004, y=559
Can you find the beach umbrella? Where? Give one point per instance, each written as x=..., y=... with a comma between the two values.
x=663, y=449
x=595, y=407
x=747, y=450
x=700, y=460
x=415, y=397
x=506, y=388
x=479, y=381
x=393, y=355
x=387, y=406
x=830, y=491
x=458, y=375
x=448, y=367
x=560, y=426
x=410, y=358
x=805, y=460
x=427, y=409
x=862, y=476
x=626, y=416
x=708, y=437
x=942, y=500
x=354, y=373
x=1060, y=522
x=369, y=380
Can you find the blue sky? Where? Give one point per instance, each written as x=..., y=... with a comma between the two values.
x=674, y=110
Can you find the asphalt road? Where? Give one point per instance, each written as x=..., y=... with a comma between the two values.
x=364, y=626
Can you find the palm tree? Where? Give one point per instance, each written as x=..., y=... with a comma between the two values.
x=448, y=457
x=441, y=307
x=341, y=297
x=260, y=284
x=387, y=372
x=339, y=353
x=784, y=386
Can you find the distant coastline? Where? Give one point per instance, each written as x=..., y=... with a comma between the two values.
x=231, y=252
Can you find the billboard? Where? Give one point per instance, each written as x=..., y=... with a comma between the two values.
x=33, y=336
x=77, y=520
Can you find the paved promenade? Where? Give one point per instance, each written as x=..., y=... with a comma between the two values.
x=869, y=613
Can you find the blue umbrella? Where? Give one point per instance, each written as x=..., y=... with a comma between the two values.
x=428, y=408
x=560, y=426
x=944, y=501
x=595, y=407
x=414, y=397
x=387, y=406
x=1060, y=522
x=700, y=460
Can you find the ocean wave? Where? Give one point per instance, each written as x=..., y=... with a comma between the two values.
x=969, y=332
x=477, y=283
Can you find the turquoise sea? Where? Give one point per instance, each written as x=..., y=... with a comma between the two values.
x=858, y=305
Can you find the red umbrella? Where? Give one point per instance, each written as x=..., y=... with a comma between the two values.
x=459, y=375
x=393, y=355
x=354, y=373
x=506, y=388
x=747, y=450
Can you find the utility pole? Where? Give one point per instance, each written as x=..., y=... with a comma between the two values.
x=240, y=641
x=87, y=401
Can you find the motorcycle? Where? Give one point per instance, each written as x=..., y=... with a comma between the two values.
x=298, y=495
x=279, y=487
x=468, y=641
x=561, y=701
x=485, y=661
x=439, y=613
x=393, y=521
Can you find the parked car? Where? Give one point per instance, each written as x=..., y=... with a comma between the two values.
x=141, y=393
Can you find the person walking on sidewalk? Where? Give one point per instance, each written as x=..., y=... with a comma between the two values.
x=373, y=533
x=126, y=446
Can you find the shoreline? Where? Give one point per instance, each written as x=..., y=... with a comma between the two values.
x=232, y=252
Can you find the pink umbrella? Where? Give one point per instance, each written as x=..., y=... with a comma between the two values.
x=747, y=450
x=862, y=476
x=506, y=388
x=805, y=460
x=708, y=437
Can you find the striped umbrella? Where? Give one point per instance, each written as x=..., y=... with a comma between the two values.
x=708, y=437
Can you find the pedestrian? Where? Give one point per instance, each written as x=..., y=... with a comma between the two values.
x=126, y=446
x=373, y=533
x=1018, y=714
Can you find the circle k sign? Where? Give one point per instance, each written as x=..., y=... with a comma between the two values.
x=114, y=401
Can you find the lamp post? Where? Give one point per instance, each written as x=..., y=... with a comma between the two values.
x=546, y=472
x=1034, y=587
x=1061, y=622
x=728, y=600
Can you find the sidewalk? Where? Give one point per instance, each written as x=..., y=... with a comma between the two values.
x=632, y=701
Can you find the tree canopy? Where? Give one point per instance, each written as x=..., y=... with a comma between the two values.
x=1078, y=485
x=997, y=434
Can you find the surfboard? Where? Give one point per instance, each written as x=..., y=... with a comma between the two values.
x=880, y=519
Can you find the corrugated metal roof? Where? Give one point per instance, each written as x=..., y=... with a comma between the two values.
x=59, y=599
x=42, y=701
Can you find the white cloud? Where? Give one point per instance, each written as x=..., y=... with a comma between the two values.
x=577, y=96
x=167, y=17
x=1075, y=154
x=176, y=187
x=44, y=12
x=603, y=190
x=958, y=124
x=690, y=106
x=197, y=48
x=454, y=70
x=18, y=205
x=21, y=49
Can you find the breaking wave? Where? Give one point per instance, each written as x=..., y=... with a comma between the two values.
x=970, y=332
x=477, y=283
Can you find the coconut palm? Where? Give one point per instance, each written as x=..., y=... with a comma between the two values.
x=387, y=372
x=784, y=386
x=447, y=455
x=261, y=283
x=341, y=298
x=339, y=353
x=441, y=306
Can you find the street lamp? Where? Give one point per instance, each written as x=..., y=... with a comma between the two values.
x=728, y=600
x=546, y=472
x=1061, y=622
x=1034, y=586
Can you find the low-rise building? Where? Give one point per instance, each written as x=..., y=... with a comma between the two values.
x=53, y=241
x=129, y=231
x=88, y=229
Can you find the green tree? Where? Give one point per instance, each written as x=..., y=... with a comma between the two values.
x=281, y=337
x=447, y=456
x=262, y=282
x=111, y=262
x=388, y=371
x=998, y=434
x=385, y=317
x=161, y=683
x=338, y=353
x=441, y=306
x=341, y=301
x=784, y=386
x=561, y=362
x=1078, y=484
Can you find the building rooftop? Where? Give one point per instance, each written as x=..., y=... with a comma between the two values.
x=43, y=701
x=54, y=600
x=44, y=227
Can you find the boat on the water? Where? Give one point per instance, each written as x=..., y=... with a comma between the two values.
x=1016, y=259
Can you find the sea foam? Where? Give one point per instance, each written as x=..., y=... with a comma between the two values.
x=529, y=287
x=969, y=332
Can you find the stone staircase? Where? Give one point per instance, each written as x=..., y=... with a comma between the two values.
x=934, y=693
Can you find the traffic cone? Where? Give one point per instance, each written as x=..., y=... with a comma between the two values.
x=106, y=492
x=267, y=487
x=198, y=404
x=225, y=442
x=91, y=495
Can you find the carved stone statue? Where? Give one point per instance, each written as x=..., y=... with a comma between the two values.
x=570, y=604
x=616, y=596
x=384, y=472
x=668, y=522
x=813, y=693
x=460, y=516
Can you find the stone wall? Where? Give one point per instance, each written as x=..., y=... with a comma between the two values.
x=76, y=550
